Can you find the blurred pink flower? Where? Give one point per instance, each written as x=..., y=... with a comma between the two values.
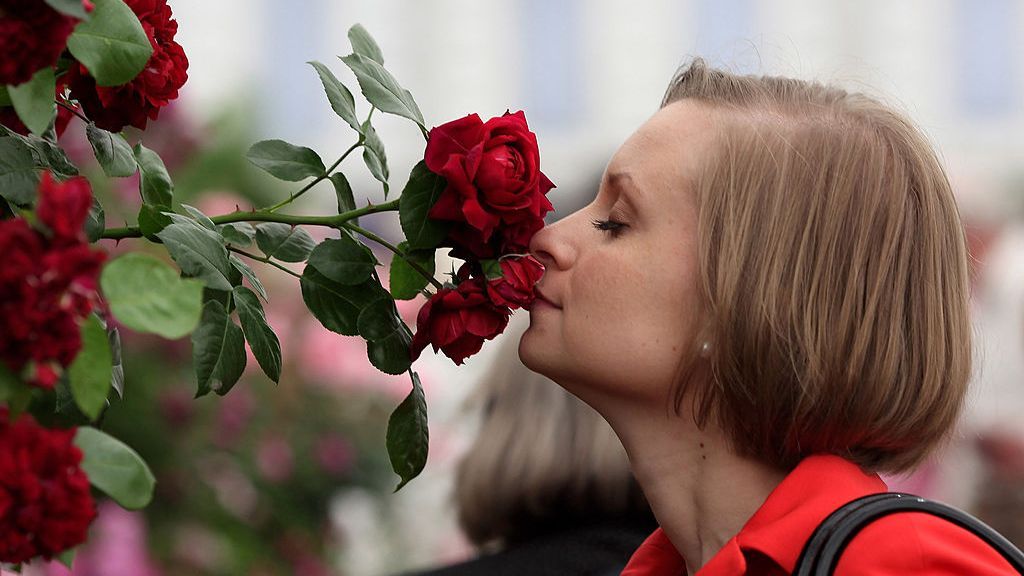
x=334, y=454
x=274, y=459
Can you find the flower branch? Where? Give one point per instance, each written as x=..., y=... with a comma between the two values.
x=415, y=266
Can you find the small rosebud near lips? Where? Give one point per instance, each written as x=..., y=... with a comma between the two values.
x=515, y=288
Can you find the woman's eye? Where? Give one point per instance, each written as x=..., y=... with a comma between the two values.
x=611, y=226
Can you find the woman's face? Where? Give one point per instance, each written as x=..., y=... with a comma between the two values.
x=623, y=301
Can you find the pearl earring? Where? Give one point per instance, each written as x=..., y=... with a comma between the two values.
x=705, y=349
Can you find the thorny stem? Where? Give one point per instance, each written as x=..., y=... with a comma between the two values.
x=264, y=260
x=393, y=248
x=263, y=216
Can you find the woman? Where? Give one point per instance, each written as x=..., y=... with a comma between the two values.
x=554, y=497
x=767, y=300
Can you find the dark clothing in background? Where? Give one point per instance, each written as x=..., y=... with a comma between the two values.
x=596, y=550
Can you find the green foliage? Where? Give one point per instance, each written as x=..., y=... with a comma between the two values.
x=418, y=197
x=382, y=90
x=89, y=373
x=147, y=295
x=111, y=44
x=283, y=241
x=262, y=340
x=336, y=306
x=34, y=100
x=112, y=152
x=374, y=157
x=46, y=153
x=70, y=7
x=408, y=436
x=339, y=96
x=343, y=260
x=286, y=161
x=18, y=177
x=151, y=221
x=200, y=253
x=364, y=44
x=154, y=182
x=95, y=222
x=199, y=217
x=238, y=233
x=13, y=391
x=247, y=271
x=387, y=337
x=492, y=269
x=218, y=350
x=115, y=469
x=406, y=281
x=343, y=193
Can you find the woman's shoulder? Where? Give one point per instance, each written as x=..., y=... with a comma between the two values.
x=919, y=543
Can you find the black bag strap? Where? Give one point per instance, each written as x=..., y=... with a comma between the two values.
x=822, y=551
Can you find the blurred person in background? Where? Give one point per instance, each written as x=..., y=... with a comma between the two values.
x=546, y=488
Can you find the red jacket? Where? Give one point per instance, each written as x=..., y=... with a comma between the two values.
x=771, y=541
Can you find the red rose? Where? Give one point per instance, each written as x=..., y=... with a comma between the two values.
x=492, y=171
x=468, y=243
x=515, y=287
x=32, y=36
x=457, y=321
x=45, y=503
x=114, y=107
x=47, y=283
x=63, y=207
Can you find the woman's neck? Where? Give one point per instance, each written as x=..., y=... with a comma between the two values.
x=700, y=491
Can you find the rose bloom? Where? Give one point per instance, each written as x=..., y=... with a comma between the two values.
x=32, y=36
x=457, y=321
x=47, y=283
x=45, y=503
x=493, y=177
x=515, y=287
x=114, y=107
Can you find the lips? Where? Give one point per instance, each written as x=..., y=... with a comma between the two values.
x=542, y=298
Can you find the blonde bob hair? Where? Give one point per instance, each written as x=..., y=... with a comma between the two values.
x=834, y=272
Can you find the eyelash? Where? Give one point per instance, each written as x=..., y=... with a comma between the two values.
x=611, y=226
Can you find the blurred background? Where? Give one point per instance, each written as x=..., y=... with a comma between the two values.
x=294, y=479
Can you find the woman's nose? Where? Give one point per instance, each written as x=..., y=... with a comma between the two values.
x=552, y=247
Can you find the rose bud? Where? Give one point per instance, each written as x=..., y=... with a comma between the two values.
x=457, y=321
x=514, y=289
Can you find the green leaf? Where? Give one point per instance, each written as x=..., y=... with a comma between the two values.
x=262, y=340
x=46, y=154
x=246, y=271
x=147, y=295
x=89, y=374
x=115, y=469
x=391, y=354
x=343, y=191
x=15, y=393
x=408, y=436
x=67, y=557
x=95, y=222
x=18, y=177
x=200, y=253
x=111, y=44
x=374, y=157
x=406, y=281
x=418, y=197
x=238, y=233
x=286, y=161
x=283, y=241
x=382, y=90
x=199, y=217
x=5, y=98
x=112, y=152
x=363, y=43
x=73, y=8
x=218, y=350
x=379, y=318
x=34, y=100
x=117, y=370
x=154, y=182
x=341, y=99
x=492, y=269
x=343, y=260
x=152, y=220
x=335, y=305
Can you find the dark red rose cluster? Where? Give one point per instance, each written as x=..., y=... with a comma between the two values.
x=494, y=202
x=45, y=503
x=48, y=282
x=133, y=104
x=32, y=37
